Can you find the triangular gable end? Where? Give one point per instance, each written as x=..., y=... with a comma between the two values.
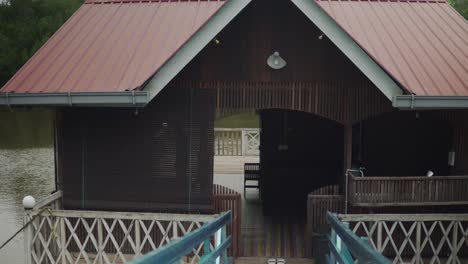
x=350, y=48
x=432, y=78
x=194, y=46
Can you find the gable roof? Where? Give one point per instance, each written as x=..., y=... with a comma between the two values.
x=112, y=46
x=423, y=44
x=123, y=52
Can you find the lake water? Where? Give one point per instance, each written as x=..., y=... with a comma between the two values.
x=26, y=168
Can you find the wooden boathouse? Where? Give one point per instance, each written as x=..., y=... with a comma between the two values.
x=359, y=101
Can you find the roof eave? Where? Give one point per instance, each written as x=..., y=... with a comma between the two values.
x=415, y=102
x=350, y=48
x=194, y=45
x=101, y=99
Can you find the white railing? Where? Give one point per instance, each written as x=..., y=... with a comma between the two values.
x=67, y=236
x=415, y=238
x=237, y=141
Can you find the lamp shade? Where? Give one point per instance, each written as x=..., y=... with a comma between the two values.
x=275, y=61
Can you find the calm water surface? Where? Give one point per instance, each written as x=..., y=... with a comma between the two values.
x=28, y=171
x=26, y=168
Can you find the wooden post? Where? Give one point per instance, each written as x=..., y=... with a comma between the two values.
x=379, y=237
x=454, y=253
x=27, y=238
x=137, y=238
x=348, y=146
x=418, y=242
x=63, y=240
x=347, y=155
x=244, y=142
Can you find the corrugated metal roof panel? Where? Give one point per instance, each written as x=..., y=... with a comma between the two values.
x=423, y=44
x=110, y=45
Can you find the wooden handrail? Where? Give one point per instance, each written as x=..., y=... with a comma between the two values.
x=407, y=178
x=174, y=251
x=402, y=217
x=125, y=215
x=407, y=191
x=48, y=200
x=343, y=242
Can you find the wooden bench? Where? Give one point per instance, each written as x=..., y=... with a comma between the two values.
x=251, y=173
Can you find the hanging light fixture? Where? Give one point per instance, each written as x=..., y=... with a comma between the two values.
x=275, y=61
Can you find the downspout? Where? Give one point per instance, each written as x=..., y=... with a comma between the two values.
x=412, y=102
x=69, y=99
x=8, y=101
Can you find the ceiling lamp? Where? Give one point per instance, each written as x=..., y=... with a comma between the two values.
x=275, y=61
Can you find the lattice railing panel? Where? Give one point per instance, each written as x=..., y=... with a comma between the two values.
x=252, y=138
x=415, y=238
x=106, y=237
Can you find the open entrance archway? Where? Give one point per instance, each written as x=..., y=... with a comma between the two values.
x=299, y=152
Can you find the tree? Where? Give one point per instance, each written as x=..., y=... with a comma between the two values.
x=25, y=25
x=461, y=6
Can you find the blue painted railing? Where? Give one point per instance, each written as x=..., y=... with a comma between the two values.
x=174, y=251
x=346, y=247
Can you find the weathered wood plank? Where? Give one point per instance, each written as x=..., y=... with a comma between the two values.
x=402, y=217
x=407, y=191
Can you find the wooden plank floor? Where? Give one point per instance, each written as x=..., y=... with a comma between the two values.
x=255, y=260
x=232, y=164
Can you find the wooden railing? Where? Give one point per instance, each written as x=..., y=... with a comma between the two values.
x=408, y=191
x=317, y=207
x=176, y=250
x=237, y=141
x=67, y=236
x=414, y=238
x=53, y=201
x=226, y=199
x=347, y=248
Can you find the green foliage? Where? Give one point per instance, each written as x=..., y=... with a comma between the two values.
x=25, y=25
x=461, y=6
x=243, y=120
x=26, y=128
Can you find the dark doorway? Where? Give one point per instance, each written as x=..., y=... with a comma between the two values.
x=299, y=153
x=404, y=144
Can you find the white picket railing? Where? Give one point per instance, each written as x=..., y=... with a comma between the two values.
x=67, y=236
x=415, y=238
x=237, y=141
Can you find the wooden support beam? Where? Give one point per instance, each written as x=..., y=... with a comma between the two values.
x=347, y=151
x=348, y=146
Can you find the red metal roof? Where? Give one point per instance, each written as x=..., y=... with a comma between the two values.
x=423, y=44
x=111, y=45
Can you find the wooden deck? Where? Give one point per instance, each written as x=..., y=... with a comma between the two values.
x=255, y=260
x=232, y=164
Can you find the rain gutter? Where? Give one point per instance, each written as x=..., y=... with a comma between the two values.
x=101, y=99
x=410, y=102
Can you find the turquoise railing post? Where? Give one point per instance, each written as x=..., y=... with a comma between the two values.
x=174, y=251
x=346, y=247
x=345, y=250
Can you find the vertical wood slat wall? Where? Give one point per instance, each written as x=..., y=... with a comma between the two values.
x=159, y=158
x=344, y=102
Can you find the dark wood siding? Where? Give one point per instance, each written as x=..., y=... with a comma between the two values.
x=160, y=158
x=318, y=77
